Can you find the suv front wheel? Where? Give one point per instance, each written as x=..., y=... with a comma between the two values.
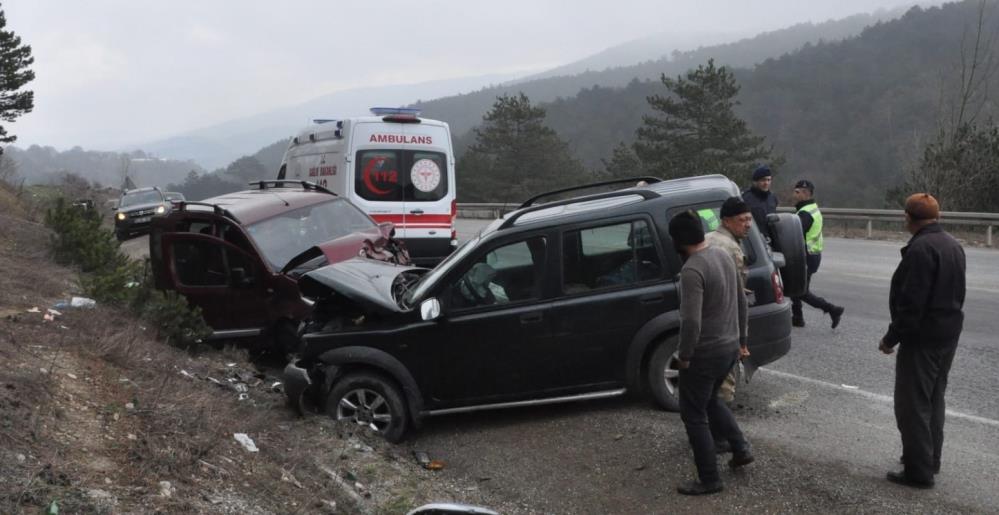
x=664, y=375
x=369, y=400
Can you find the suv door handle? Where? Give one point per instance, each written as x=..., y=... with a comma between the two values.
x=416, y=212
x=655, y=298
x=530, y=318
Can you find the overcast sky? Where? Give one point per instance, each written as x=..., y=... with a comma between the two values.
x=116, y=72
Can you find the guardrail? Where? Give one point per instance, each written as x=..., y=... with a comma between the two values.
x=987, y=220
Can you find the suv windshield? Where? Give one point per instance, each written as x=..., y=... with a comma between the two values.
x=142, y=197
x=288, y=234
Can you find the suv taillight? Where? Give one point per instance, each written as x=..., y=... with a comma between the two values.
x=778, y=285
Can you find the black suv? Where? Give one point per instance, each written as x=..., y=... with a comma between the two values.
x=567, y=300
x=135, y=211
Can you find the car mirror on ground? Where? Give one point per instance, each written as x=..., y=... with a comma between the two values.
x=430, y=309
x=450, y=509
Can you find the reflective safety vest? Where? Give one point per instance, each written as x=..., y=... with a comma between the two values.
x=710, y=218
x=813, y=238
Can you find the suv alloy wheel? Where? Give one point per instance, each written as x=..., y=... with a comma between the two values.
x=369, y=400
x=664, y=375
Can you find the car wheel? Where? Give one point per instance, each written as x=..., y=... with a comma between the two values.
x=369, y=400
x=790, y=241
x=664, y=374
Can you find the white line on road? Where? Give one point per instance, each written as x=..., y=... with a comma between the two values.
x=874, y=396
x=887, y=278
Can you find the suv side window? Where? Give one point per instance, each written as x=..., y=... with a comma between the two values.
x=508, y=274
x=610, y=255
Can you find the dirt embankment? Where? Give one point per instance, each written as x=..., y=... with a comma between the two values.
x=96, y=416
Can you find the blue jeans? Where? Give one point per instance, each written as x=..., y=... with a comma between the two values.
x=703, y=414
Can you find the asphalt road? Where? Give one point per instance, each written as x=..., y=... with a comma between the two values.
x=820, y=420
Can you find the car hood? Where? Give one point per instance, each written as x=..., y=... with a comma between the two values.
x=365, y=281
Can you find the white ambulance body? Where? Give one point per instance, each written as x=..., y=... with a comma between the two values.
x=395, y=166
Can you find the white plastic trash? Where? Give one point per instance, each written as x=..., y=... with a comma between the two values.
x=82, y=302
x=245, y=441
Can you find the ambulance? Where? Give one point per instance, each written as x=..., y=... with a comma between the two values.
x=394, y=165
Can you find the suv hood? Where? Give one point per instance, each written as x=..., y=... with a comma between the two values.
x=365, y=281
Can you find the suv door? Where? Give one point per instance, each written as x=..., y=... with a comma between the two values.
x=613, y=281
x=495, y=339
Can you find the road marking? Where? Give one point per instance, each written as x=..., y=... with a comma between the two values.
x=887, y=279
x=874, y=396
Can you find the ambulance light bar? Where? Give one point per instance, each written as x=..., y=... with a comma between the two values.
x=398, y=111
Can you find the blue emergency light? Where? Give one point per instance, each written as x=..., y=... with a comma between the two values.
x=395, y=111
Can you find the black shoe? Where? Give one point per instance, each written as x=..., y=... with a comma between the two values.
x=798, y=322
x=741, y=459
x=899, y=478
x=836, y=313
x=722, y=447
x=699, y=488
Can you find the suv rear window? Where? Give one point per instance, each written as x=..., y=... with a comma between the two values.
x=401, y=175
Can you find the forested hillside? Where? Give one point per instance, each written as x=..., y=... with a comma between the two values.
x=465, y=111
x=850, y=115
x=38, y=164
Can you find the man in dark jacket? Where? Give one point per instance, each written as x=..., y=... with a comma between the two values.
x=926, y=302
x=760, y=199
x=811, y=225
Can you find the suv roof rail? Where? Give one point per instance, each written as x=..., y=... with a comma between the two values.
x=632, y=180
x=645, y=194
x=308, y=185
x=219, y=210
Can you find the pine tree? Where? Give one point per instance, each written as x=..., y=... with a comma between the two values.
x=15, y=60
x=515, y=155
x=697, y=131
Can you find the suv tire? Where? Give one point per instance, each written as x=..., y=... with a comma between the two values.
x=370, y=400
x=790, y=241
x=663, y=376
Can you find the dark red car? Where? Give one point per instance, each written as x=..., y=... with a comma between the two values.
x=238, y=256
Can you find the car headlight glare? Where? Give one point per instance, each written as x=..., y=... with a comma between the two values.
x=161, y=209
x=121, y=216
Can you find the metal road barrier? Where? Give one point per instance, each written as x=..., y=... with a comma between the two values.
x=486, y=210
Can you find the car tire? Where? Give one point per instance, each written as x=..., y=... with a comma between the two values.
x=790, y=241
x=664, y=376
x=370, y=400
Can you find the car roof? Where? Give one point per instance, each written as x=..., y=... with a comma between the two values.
x=251, y=206
x=685, y=190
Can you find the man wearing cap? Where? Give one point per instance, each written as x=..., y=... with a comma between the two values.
x=811, y=225
x=713, y=324
x=735, y=223
x=760, y=199
x=926, y=302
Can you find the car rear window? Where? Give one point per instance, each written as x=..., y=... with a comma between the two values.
x=396, y=175
x=282, y=237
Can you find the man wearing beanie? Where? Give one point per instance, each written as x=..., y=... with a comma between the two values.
x=760, y=199
x=811, y=225
x=735, y=223
x=713, y=323
x=926, y=302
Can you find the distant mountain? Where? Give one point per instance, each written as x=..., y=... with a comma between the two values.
x=849, y=115
x=40, y=165
x=218, y=145
x=465, y=111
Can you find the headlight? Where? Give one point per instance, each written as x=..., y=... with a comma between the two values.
x=121, y=216
x=161, y=209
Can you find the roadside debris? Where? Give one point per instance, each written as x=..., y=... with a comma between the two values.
x=76, y=302
x=166, y=489
x=424, y=460
x=246, y=442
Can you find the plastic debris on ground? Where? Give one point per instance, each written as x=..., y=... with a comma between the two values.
x=245, y=441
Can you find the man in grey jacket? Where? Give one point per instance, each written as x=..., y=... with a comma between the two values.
x=713, y=324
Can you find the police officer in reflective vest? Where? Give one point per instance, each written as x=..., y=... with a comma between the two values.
x=811, y=224
x=709, y=219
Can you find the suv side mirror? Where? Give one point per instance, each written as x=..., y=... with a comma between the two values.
x=430, y=309
x=239, y=278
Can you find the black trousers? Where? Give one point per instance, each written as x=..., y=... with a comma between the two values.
x=921, y=371
x=704, y=414
x=813, y=261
